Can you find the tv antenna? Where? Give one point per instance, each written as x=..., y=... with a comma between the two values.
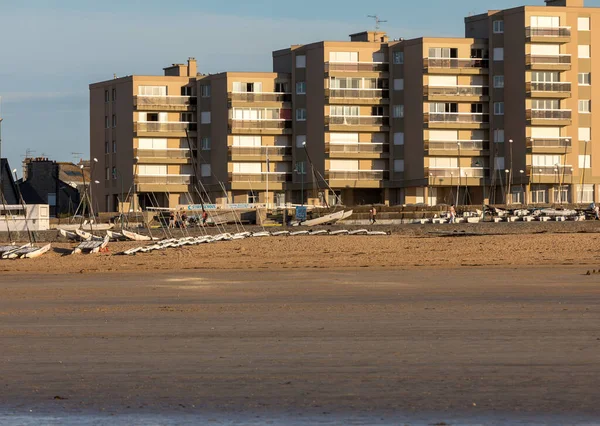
x=378, y=23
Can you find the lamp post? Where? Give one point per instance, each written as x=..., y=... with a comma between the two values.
x=510, y=180
x=506, y=190
x=521, y=172
x=459, y=175
x=430, y=189
x=556, y=172
x=583, y=173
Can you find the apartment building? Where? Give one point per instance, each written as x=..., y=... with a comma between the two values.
x=143, y=135
x=503, y=115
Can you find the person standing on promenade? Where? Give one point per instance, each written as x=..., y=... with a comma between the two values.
x=172, y=220
x=597, y=212
x=452, y=214
x=373, y=215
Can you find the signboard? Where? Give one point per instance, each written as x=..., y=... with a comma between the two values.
x=301, y=213
x=198, y=207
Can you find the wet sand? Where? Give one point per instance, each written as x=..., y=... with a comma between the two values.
x=467, y=341
x=330, y=252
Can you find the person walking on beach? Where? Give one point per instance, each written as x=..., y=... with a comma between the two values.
x=373, y=215
x=597, y=212
x=172, y=220
x=204, y=217
x=452, y=214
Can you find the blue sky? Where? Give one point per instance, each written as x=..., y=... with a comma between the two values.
x=52, y=49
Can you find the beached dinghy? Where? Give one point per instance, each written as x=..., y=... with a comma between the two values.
x=88, y=226
x=377, y=233
x=87, y=236
x=339, y=232
x=91, y=246
x=328, y=218
x=136, y=237
x=347, y=214
x=6, y=250
x=116, y=236
x=261, y=234
x=359, y=232
x=319, y=232
x=68, y=235
x=297, y=233
x=29, y=252
x=280, y=234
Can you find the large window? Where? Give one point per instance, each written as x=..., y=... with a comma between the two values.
x=150, y=143
x=152, y=90
x=584, y=51
x=498, y=81
x=584, y=78
x=498, y=108
x=585, y=194
x=585, y=161
x=301, y=88
x=247, y=87
x=205, y=170
x=398, y=166
x=443, y=163
x=585, y=133
x=344, y=111
x=398, y=111
x=546, y=160
x=443, y=52
x=499, y=136
x=583, y=23
x=545, y=77
x=205, y=90
x=152, y=170
x=301, y=114
x=545, y=104
x=300, y=61
x=498, y=27
x=205, y=117
x=399, y=138
x=498, y=54
x=205, y=143
x=398, y=58
x=545, y=21
x=343, y=56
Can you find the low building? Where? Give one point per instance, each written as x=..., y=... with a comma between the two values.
x=8, y=188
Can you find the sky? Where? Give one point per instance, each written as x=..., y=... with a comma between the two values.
x=51, y=50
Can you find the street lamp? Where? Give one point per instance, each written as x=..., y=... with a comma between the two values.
x=430, y=189
x=459, y=173
x=556, y=171
x=585, y=164
x=506, y=173
x=521, y=172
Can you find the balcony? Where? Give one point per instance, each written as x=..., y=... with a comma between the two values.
x=177, y=129
x=548, y=62
x=358, y=96
x=468, y=148
x=457, y=120
x=163, y=183
x=548, y=34
x=456, y=65
x=549, y=117
x=550, y=174
x=264, y=97
x=357, y=178
x=550, y=145
x=357, y=67
x=553, y=90
x=259, y=181
x=357, y=122
x=266, y=126
x=357, y=150
x=469, y=176
x=163, y=156
x=164, y=103
x=240, y=153
x=457, y=93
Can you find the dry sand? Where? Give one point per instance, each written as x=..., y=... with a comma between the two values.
x=499, y=341
x=331, y=252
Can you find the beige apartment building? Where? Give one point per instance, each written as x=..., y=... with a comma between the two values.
x=503, y=115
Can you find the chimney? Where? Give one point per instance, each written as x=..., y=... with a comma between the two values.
x=565, y=3
x=192, y=67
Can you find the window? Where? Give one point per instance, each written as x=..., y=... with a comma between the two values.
x=498, y=27
x=187, y=117
x=584, y=78
x=498, y=54
x=443, y=163
x=398, y=58
x=114, y=173
x=107, y=174
x=398, y=111
x=301, y=114
x=300, y=141
x=106, y=122
x=205, y=170
x=301, y=88
x=499, y=81
x=344, y=111
x=300, y=61
x=499, y=163
x=106, y=96
x=205, y=117
x=106, y=148
x=399, y=138
x=583, y=23
x=114, y=120
x=281, y=87
x=546, y=160
x=399, y=166
x=585, y=161
x=205, y=143
x=585, y=106
x=300, y=167
x=584, y=51
x=188, y=91
x=150, y=143
x=545, y=77
x=443, y=52
x=499, y=136
x=351, y=57
x=152, y=90
x=545, y=21
x=153, y=170
x=52, y=199
x=114, y=94
x=585, y=194
x=545, y=104
x=498, y=108
x=585, y=134
x=538, y=194
x=205, y=90
x=114, y=147
x=398, y=84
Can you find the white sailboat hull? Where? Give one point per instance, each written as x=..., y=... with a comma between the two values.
x=135, y=237
x=88, y=227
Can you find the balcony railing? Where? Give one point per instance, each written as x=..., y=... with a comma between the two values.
x=260, y=97
x=260, y=151
x=558, y=171
x=455, y=63
x=357, y=175
x=465, y=145
x=164, y=127
x=456, y=91
x=357, y=120
x=261, y=124
x=175, y=153
x=547, y=32
x=167, y=101
x=464, y=172
x=549, y=59
x=559, y=143
x=554, y=87
x=457, y=117
x=357, y=148
x=358, y=93
x=163, y=179
x=357, y=66
x=273, y=177
x=549, y=114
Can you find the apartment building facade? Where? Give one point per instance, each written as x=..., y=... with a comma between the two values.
x=503, y=115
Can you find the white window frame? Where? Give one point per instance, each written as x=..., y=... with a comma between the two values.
x=301, y=88
x=205, y=143
x=498, y=82
x=498, y=54
x=498, y=108
x=398, y=111
x=300, y=114
x=498, y=26
x=205, y=90
x=586, y=21
x=585, y=161
x=586, y=76
x=584, y=106
x=300, y=61
x=584, y=133
x=499, y=136
x=584, y=51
